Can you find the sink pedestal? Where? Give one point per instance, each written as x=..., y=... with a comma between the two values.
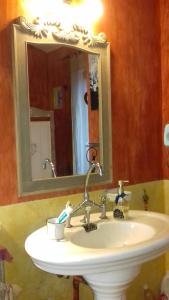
x=111, y=285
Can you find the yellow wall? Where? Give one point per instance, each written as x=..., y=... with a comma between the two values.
x=151, y=272
x=166, y=203
x=19, y=220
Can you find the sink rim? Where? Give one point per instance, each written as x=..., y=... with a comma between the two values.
x=74, y=259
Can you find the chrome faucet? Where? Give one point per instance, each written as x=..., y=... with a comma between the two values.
x=48, y=161
x=99, y=171
x=87, y=203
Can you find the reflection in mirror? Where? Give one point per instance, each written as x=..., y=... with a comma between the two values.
x=62, y=106
x=64, y=110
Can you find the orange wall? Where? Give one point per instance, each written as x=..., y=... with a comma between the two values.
x=46, y=72
x=59, y=75
x=132, y=27
x=165, y=77
x=38, y=78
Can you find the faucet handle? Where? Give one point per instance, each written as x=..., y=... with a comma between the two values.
x=103, y=198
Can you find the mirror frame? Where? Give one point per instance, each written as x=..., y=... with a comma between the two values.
x=23, y=33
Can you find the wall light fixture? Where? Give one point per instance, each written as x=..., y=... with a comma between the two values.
x=84, y=13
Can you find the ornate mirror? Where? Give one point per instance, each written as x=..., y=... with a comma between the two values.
x=62, y=101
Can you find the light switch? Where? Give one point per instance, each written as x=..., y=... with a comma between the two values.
x=166, y=135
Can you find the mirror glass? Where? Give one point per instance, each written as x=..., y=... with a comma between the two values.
x=64, y=110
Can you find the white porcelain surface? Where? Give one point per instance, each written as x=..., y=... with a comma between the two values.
x=119, y=235
x=114, y=251
x=144, y=236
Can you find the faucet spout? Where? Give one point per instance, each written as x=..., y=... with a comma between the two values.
x=87, y=203
x=99, y=171
x=48, y=161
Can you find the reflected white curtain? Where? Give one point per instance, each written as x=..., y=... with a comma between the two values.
x=79, y=115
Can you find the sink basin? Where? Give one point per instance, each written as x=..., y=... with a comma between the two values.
x=110, y=257
x=116, y=235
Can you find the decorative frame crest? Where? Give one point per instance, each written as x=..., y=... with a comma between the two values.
x=73, y=36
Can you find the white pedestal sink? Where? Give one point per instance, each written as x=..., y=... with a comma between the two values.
x=110, y=257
